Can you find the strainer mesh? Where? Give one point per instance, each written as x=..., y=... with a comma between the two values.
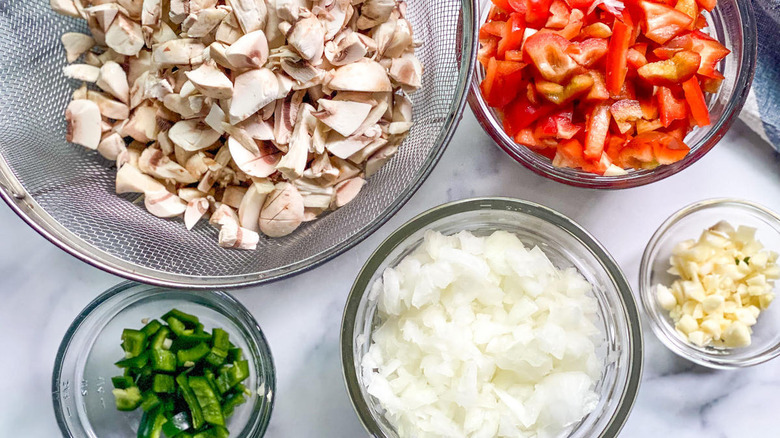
x=75, y=186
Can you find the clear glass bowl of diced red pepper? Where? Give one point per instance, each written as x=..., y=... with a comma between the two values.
x=610, y=93
x=85, y=365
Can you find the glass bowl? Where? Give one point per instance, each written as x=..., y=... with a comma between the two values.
x=566, y=244
x=732, y=23
x=688, y=223
x=67, y=193
x=81, y=383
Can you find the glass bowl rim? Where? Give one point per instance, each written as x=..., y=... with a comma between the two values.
x=576, y=178
x=398, y=237
x=14, y=194
x=241, y=312
x=658, y=325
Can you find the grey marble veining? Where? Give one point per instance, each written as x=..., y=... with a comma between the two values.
x=42, y=289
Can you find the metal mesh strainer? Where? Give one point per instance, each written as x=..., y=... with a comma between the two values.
x=67, y=194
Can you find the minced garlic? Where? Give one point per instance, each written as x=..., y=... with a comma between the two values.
x=726, y=280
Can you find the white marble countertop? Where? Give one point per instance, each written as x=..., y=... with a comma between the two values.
x=42, y=289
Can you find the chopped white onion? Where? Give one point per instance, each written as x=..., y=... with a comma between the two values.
x=482, y=337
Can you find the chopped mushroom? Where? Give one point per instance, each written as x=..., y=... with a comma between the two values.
x=76, y=44
x=264, y=113
x=282, y=212
x=83, y=118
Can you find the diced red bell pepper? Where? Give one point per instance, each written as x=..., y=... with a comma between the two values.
x=596, y=30
x=557, y=125
x=710, y=50
x=487, y=50
x=503, y=5
x=696, y=102
x=569, y=154
x=588, y=52
x=573, y=27
x=497, y=14
x=598, y=166
x=677, y=129
x=617, y=55
x=559, y=15
x=520, y=113
x=643, y=125
x=596, y=131
x=514, y=55
x=503, y=82
x=680, y=68
x=649, y=149
x=537, y=12
x=636, y=59
x=558, y=94
x=581, y=4
x=598, y=91
x=547, y=51
x=707, y=4
x=671, y=106
x=710, y=85
x=624, y=112
x=615, y=144
x=513, y=35
x=689, y=8
x=492, y=28
x=662, y=22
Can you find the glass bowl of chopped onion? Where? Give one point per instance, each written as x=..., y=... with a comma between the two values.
x=491, y=316
x=731, y=23
x=707, y=280
x=82, y=381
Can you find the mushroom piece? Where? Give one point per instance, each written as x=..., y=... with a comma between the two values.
x=379, y=159
x=233, y=236
x=373, y=12
x=251, y=91
x=131, y=180
x=192, y=135
x=228, y=32
x=282, y=212
x=138, y=65
x=76, y=44
x=125, y=36
x=111, y=146
x=301, y=71
x=252, y=203
x=163, y=203
x=345, y=147
x=105, y=14
x=288, y=10
x=307, y=37
x=211, y=81
x=134, y=8
x=82, y=72
x=345, y=49
x=259, y=164
x=142, y=124
x=293, y=163
x=153, y=162
x=342, y=116
x=334, y=14
x=201, y=23
x=364, y=75
x=257, y=128
x=347, y=190
x=188, y=194
x=407, y=71
x=249, y=51
x=223, y=215
x=109, y=107
x=151, y=13
x=233, y=195
x=314, y=196
x=400, y=41
x=196, y=209
x=84, y=123
x=250, y=14
x=285, y=114
x=114, y=80
x=65, y=7
x=217, y=52
x=216, y=118
x=185, y=51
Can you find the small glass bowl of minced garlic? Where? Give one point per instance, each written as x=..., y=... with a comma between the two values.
x=708, y=279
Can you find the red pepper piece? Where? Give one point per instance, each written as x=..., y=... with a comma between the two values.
x=559, y=15
x=521, y=113
x=596, y=131
x=617, y=55
x=547, y=52
x=588, y=52
x=671, y=105
x=662, y=22
x=513, y=35
x=696, y=102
